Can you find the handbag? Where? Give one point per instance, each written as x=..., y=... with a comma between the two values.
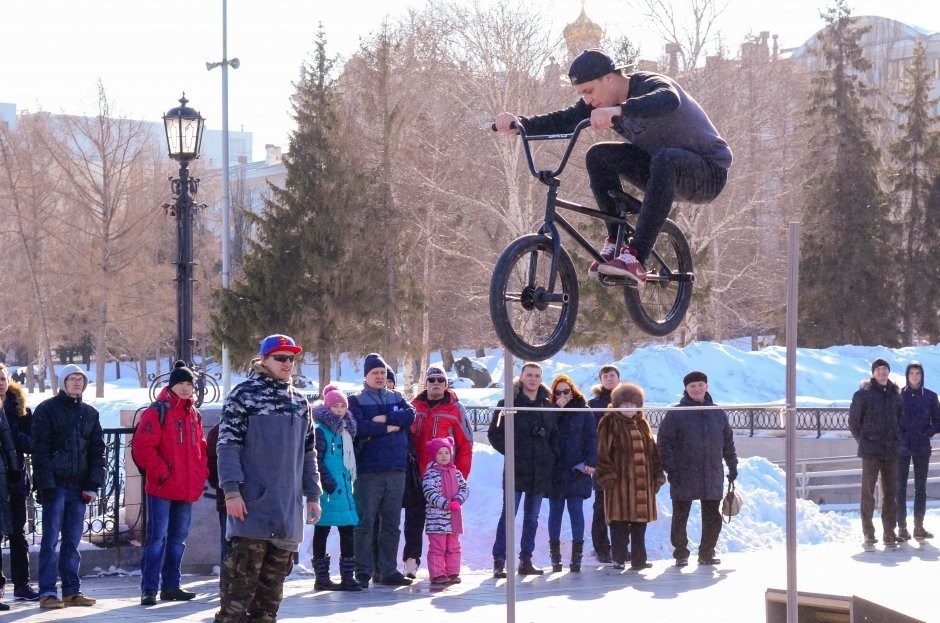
x=731, y=504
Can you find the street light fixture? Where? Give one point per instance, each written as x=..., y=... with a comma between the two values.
x=184, y=127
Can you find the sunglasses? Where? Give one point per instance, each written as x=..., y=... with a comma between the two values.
x=283, y=358
x=562, y=392
x=436, y=379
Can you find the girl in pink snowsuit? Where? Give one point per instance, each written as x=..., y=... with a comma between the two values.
x=445, y=490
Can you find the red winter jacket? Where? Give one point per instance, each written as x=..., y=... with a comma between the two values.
x=174, y=456
x=445, y=419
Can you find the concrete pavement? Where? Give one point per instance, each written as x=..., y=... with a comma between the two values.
x=904, y=579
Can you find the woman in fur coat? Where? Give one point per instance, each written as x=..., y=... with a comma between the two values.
x=630, y=471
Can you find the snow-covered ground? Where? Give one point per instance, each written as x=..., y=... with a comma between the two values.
x=824, y=377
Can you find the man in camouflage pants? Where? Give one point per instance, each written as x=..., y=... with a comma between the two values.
x=266, y=460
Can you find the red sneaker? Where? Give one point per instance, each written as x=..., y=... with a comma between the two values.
x=625, y=265
x=608, y=252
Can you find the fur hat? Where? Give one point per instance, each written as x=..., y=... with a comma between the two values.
x=373, y=361
x=694, y=377
x=181, y=374
x=877, y=363
x=437, y=443
x=333, y=396
x=627, y=392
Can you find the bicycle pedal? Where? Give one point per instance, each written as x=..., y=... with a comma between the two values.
x=614, y=280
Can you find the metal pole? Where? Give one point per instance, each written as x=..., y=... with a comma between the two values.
x=793, y=279
x=184, y=267
x=226, y=196
x=509, y=488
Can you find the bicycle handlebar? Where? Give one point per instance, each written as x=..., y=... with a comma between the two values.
x=572, y=137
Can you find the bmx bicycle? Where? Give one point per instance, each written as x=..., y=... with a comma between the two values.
x=534, y=287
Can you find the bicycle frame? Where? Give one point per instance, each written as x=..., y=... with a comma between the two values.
x=552, y=202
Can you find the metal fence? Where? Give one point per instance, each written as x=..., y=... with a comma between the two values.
x=744, y=421
x=104, y=518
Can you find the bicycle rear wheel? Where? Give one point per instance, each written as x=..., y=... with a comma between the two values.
x=532, y=320
x=659, y=307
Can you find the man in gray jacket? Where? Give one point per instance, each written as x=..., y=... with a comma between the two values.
x=267, y=462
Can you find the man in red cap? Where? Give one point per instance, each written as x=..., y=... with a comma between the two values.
x=672, y=151
x=267, y=461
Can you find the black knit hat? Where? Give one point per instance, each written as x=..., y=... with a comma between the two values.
x=694, y=377
x=390, y=376
x=181, y=374
x=373, y=361
x=877, y=363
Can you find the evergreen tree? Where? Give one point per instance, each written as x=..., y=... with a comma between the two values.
x=847, y=285
x=916, y=155
x=295, y=279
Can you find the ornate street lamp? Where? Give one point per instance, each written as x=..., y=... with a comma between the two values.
x=184, y=127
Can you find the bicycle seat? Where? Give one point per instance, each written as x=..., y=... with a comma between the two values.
x=629, y=203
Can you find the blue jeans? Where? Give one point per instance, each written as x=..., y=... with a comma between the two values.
x=164, y=543
x=556, y=508
x=921, y=465
x=63, y=511
x=530, y=525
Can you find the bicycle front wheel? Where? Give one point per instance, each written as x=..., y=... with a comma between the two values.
x=533, y=317
x=659, y=307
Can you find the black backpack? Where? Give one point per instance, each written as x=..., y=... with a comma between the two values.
x=162, y=407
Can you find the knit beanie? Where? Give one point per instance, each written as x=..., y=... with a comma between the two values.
x=694, y=377
x=627, y=392
x=181, y=374
x=435, y=371
x=373, y=361
x=390, y=375
x=877, y=363
x=69, y=370
x=332, y=396
x=436, y=444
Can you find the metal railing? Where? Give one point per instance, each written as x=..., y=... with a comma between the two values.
x=103, y=517
x=746, y=421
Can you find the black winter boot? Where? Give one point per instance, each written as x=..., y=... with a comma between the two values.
x=577, y=551
x=554, y=552
x=526, y=567
x=920, y=532
x=347, y=575
x=499, y=568
x=321, y=570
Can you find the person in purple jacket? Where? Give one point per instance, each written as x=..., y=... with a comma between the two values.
x=920, y=421
x=672, y=151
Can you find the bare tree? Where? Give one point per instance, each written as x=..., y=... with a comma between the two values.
x=690, y=25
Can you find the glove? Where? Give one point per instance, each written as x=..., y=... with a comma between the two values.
x=14, y=478
x=454, y=505
x=89, y=496
x=732, y=474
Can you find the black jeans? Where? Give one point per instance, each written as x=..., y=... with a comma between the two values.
x=888, y=470
x=19, y=556
x=599, y=538
x=921, y=466
x=711, y=528
x=668, y=174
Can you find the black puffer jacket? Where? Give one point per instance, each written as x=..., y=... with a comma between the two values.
x=68, y=445
x=875, y=418
x=20, y=419
x=538, y=447
x=692, y=445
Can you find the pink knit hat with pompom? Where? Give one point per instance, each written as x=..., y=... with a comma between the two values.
x=332, y=396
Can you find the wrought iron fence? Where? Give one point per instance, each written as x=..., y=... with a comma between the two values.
x=747, y=421
x=104, y=519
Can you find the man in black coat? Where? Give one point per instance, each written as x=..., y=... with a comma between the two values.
x=692, y=444
x=537, y=448
x=609, y=377
x=875, y=421
x=68, y=469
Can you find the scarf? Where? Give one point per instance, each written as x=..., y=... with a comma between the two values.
x=349, y=454
x=449, y=489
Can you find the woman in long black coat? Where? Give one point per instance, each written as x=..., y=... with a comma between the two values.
x=572, y=482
